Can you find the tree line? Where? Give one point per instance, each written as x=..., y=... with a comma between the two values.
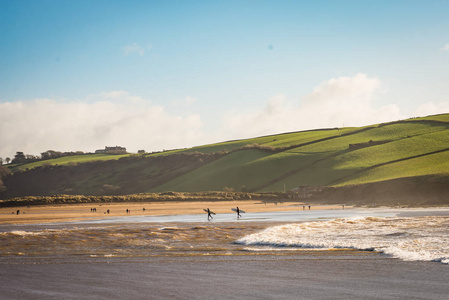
x=21, y=157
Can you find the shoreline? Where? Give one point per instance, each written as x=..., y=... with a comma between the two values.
x=81, y=212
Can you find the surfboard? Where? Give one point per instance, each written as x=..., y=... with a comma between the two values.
x=211, y=212
x=235, y=210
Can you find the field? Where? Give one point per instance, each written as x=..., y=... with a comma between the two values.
x=332, y=157
x=69, y=160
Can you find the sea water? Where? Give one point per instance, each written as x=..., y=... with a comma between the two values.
x=418, y=238
x=407, y=234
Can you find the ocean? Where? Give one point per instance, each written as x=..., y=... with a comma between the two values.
x=406, y=234
x=350, y=254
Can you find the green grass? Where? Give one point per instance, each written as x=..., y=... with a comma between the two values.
x=441, y=118
x=427, y=165
x=314, y=157
x=215, y=175
x=342, y=162
x=277, y=141
x=75, y=159
x=322, y=162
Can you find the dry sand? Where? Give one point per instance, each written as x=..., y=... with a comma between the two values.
x=76, y=212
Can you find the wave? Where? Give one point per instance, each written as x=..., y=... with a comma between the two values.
x=411, y=239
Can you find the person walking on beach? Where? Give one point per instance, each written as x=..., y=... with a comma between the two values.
x=238, y=212
x=209, y=215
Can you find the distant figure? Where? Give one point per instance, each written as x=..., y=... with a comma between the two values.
x=126, y=210
x=18, y=211
x=108, y=211
x=143, y=209
x=209, y=215
x=303, y=207
x=238, y=212
x=343, y=206
x=309, y=207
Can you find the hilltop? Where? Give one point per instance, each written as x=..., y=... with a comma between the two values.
x=324, y=164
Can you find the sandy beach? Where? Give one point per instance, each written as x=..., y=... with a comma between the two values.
x=76, y=212
x=69, y=252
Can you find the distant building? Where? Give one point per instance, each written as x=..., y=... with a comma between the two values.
x=112, y=150
x=303, y=192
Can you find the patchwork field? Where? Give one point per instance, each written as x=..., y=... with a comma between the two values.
x=334, y=157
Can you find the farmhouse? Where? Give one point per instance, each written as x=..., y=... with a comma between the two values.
x=112, y=150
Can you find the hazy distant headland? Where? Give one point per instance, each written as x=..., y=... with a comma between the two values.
x=396, y=163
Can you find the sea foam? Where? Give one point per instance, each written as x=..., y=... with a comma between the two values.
x=411, y=239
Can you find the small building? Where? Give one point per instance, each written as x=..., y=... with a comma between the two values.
x=111, y=150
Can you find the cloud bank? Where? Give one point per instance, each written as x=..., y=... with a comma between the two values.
x=113, y=118
x=120, y=118
x=343, y=101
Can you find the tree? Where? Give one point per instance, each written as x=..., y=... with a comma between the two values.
x=4, y=172
x=1, y=161
x=8, y=160
x=19, y=157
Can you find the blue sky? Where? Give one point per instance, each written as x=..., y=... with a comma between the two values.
x=79, y=75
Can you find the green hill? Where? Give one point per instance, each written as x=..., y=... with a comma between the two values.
x=337, y=157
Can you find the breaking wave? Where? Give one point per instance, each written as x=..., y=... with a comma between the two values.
x=411, y=239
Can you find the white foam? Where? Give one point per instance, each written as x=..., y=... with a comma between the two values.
x=412, y=239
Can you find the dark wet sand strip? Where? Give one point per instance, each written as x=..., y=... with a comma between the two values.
x=310, y=275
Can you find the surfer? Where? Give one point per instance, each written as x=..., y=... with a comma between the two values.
x=209, y=215
x=238, y=212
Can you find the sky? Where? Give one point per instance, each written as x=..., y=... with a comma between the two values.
x=154, y=75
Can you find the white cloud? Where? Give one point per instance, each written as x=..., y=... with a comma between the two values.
x=135, y=48
x=445, y=48
x=431, y=108
x=343, y=101
x=114, y=118
x=120, y=118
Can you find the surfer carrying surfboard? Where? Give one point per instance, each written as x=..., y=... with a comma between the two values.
x=209, y=216
x=238, y=211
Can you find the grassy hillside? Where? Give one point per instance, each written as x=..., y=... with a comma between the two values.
x=334, y=157
x=324, y=157
x=69, y=160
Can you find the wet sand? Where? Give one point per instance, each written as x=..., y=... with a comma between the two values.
x=190, y=260
x=356, y=275
x=76, y=212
